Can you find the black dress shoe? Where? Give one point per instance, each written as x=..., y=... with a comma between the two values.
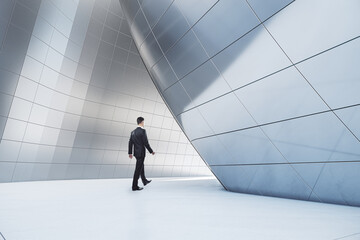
x=147, y=182
x=137, y=189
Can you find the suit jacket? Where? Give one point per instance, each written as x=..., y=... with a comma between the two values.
x=139, y=140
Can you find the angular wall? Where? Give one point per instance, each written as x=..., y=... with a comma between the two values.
x=72, y=84
x=267, y=91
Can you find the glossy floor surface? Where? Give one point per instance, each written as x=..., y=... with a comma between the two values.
x=184, y=208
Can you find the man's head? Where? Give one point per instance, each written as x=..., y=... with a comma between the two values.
x=140, y=121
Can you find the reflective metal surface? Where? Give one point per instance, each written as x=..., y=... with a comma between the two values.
x=72, y=84
x=280, y=96
x=267, y=91
x=228, y=20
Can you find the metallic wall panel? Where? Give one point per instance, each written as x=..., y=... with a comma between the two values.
x=303, y=35
x=339, y=180
x=153, y=10
x=248, y=53
x=235, y=15
x=186, y=54
x=72, y=84
x=215, y=111
x=335, y=73
x=265, y=9
x=351, y=118
x=177, y=98
x=194, y=10
x=266, y=92
x=315, y=138
x=205, y=83
x=283, y=95
x=170, y=27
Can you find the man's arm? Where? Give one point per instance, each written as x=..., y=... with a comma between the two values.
x=146, y=143
x=130, y=149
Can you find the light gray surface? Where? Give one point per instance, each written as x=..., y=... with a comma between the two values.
x=168, y=208
x=266, y=92
x=72, y=84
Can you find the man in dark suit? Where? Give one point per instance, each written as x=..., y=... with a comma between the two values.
x=139, y=141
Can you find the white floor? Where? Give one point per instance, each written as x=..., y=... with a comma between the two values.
x=166, y=209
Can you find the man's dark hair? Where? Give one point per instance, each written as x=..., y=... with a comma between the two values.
x=139, y=120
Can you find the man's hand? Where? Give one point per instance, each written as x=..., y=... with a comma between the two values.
x=130, y=156
x=153, y=153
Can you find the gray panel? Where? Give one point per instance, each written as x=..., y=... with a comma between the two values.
x=45, y=153
x=236, y=178
x=2, y=128
x=351, y=118
x=23, y=17
x=205, y=83
x=3, y=26
x=177, y=99
x=6, y=171
x=164, y=74
x=91, y=171
x=57, y=171
x=9, y=150
x=309, y=172
x=130, y=8
x=6, y=7
x=321, y=137
x=32, y=4
x=279, y=180
x=194, y=10
x=40, y=172
x=134, y=60
x=43, y=30
x=37, y=49
x=265, y=9
x=109, y=35
x=62, y=155
x=73, y=171
x=23, y=172
x=226, y=114
x=20, y=109
x=150, y=50
x=14, y=48
x=170, y=28
x=140, y=28
x=8, y=82
x=5, y=104
x=113, y=21
x=153, y=10
x=280, y=96
x=186, y=55
x=124, y=28
x=107, y=171
x=95, y=28
x=339, y=183
x=245, y=61
x=303, y=35
x=212, y=150
x=336, y=73
x=28, y=153
x=123, y=41
x=228, y=20
x=105, y=50
x=250, y=147
x=194, y=129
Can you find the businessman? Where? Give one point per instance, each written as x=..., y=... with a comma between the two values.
x=139, y=141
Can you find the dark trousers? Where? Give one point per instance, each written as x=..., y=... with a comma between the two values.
x=139, y=171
